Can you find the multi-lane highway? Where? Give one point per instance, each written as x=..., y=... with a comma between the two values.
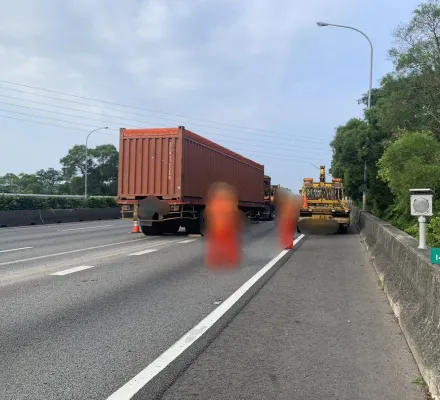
x=84, y=307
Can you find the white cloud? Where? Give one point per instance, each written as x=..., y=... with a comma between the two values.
x=259, y=63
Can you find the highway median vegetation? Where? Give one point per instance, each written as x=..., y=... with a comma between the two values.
x=11, y=203
x=102, y=175
x=399, y=136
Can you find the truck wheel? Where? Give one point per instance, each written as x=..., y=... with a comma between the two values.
x=150, y=230
x=193, y=227
x=271, y=216
x=201, y=223
x=197, y=226
x=171, y=228
x=343, y=229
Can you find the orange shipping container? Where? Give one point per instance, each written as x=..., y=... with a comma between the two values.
x=177, y=164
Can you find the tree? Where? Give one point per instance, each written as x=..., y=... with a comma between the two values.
x=412, y=161
x=74, y=162
x=406, y=103
x=9, y=183
x=348, y=153
x=29, y=184
x=102, y=169
x=416, y=58
x=50, y=180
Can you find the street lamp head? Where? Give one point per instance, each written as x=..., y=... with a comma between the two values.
x=105, y=127
x=321, y=24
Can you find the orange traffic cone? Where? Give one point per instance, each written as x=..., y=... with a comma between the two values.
x=305, y=202
x=136, y=227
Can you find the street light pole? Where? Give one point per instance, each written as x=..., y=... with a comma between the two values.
x=322, y=24
x=85, y=177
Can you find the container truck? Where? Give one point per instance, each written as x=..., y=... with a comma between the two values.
x=165, y=175
x=324, y=203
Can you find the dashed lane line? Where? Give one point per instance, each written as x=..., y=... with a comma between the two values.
x=72, y=270
x=20, y=248
x=139, y=253
x=69, y=252
x=81, y=229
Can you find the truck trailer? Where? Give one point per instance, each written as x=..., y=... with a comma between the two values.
x=165, y=175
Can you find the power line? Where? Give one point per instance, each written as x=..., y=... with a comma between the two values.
x=261, y=155
x=106, y=122
x=53, y=119
x=44, y=123
x=113, y=116
x=264, y=155
x=126, y=112
x=150, y=110
x=58, y=120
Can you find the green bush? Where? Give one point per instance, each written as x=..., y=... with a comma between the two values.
x=8, y=203
x=433, y=232
x=412, y=229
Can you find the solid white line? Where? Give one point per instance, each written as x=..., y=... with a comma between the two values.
x=72, y=270
x=139, y=253
x=80, y=229
x=67, y=252
x=20, y=248
x=188, y=241
x=133, y=386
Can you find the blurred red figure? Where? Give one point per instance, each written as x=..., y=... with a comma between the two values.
x=223, y=225
x=288, y=208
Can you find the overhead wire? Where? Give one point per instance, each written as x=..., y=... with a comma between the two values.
x=144, y=109
x=264, y=155
x=106, y=122
x=121, y=118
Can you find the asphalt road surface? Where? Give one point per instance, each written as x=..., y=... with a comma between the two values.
x=85, y=306
x=320, y=329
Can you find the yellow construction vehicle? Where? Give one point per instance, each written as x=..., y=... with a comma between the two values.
x=324, y=208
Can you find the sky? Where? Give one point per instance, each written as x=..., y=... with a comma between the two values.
x=258, y=77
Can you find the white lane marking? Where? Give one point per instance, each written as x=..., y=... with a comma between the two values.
x=72, y=270
x=156, y=244
x=68, y=252
x=133, y=386
x=20, y=248
x=80, y=229
x=139, y=253
x=188, y=241
x=119, y=222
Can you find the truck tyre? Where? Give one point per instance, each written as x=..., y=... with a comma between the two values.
x=150, y=230
x=343, y=229
x=197, y=226
x=201, y=223
x=171, y=228
x=271, y=216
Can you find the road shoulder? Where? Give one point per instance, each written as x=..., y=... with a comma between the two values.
x=319, y=329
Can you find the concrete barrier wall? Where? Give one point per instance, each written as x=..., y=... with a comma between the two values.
x=50, y=216
x=412, y=285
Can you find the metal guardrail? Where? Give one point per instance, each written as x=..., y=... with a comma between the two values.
x=56, y=195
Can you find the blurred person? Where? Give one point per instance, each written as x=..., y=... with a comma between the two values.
x=288, y=209
x=223, y=227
